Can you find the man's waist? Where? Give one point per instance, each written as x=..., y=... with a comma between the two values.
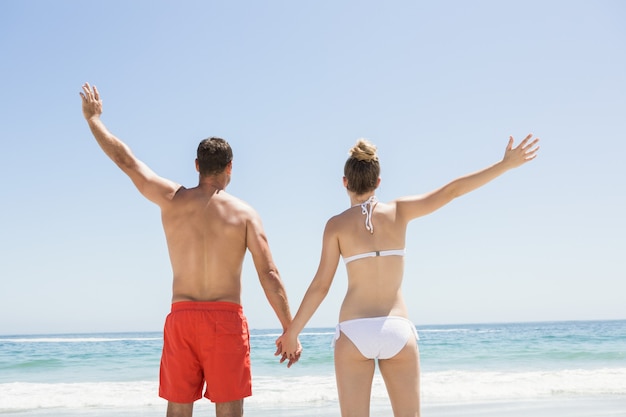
x=207, y=306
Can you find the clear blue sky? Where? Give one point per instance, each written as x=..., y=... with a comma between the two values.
x=438, y=86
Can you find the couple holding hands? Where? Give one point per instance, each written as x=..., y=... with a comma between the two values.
x=208, y=232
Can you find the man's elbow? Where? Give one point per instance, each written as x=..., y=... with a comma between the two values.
x=271, y=278
x=124, y=159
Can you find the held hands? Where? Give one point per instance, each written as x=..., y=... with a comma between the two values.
x=92, y=105
x=522, y=153
x=288, y=347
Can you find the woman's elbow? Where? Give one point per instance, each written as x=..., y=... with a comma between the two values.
x=321, y=288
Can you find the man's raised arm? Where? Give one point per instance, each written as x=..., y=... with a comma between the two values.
x=155, y=188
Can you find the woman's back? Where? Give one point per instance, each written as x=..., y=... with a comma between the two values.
x=374, y=259
x=373, y=323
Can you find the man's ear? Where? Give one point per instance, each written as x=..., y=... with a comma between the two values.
x=197, y=165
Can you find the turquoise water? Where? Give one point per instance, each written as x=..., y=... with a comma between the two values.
x=460, y=364
x=524, y=346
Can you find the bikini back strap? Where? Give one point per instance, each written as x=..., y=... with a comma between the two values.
x=392, y=252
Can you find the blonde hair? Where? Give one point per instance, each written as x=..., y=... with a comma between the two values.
x=362, y=169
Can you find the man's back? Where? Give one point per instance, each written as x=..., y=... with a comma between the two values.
x=206, y=231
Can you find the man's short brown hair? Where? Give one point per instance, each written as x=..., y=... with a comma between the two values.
x=214, y=154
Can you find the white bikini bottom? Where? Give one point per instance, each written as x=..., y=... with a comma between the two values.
x=377, y=337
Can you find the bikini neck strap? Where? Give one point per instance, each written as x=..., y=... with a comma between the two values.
x=367, y=207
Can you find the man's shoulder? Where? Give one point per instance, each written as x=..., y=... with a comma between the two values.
x=194, y=194
x=236, y=203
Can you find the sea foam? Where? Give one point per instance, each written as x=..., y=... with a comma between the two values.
x=437, y=387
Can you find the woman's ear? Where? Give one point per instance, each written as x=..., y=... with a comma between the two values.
x=345, y=182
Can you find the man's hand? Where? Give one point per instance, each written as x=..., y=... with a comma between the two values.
x=92, y=105
x=292, y=352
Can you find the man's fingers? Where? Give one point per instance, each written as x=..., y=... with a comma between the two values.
x=89, y=93
x=293, y=360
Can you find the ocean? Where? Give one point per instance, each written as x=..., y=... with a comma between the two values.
x=518, y=369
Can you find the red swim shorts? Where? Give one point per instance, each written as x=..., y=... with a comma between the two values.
x=205, y=342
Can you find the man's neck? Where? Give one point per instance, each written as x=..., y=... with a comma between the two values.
x=217, y=182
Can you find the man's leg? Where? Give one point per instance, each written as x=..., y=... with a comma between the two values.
x=229, y=409
x=179, y=409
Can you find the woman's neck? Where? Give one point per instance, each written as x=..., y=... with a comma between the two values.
x=357, y=200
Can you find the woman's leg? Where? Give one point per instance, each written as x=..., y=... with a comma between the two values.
x=354, y=375
x=402, y=379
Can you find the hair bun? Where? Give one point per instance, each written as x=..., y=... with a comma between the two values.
x=364, y=151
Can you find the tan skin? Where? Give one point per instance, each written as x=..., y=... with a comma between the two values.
x=374, y=284
x=208, y=233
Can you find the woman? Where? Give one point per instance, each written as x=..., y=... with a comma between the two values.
x=373, y=320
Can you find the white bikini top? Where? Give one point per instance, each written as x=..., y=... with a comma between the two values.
x=392, y=252
x=366, y=208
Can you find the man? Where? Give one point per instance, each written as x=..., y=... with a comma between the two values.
x=208, y=231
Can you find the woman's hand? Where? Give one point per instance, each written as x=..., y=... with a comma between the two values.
x=288, y=347
x=522, y=153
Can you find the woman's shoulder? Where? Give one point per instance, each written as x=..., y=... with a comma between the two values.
x=338, y=222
